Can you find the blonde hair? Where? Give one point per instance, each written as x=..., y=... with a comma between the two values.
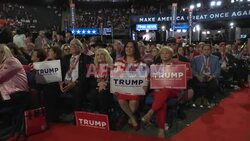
x=6, y=52
x=108, y=58
x=168, y=49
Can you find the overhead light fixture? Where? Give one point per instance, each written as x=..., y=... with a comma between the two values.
x=198, y=28
x=194, y=29
x=232, y=1
x=208, y=32
x=212, y=4
x=219, y=31
x=163, y=27
x=184, y=30
x=192, y=7
x=178, y=30
x=218, y=3
x=198, y=5
x=241, y=0
x=231, y=24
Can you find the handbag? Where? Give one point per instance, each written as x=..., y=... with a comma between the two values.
x=35, y=121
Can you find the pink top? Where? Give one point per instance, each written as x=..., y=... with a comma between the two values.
x=12, y=78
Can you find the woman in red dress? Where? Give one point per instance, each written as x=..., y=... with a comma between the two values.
x=159, y=106
x=129, y=103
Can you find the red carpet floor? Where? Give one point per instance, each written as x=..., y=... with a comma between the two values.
x=228, y=121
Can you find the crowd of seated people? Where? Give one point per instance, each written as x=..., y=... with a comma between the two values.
x=109, y=16
x=210, y=69
x=28, y=16
x=116, y=17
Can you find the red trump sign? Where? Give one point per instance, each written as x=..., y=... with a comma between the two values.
x=92, y=120
x=168, y=76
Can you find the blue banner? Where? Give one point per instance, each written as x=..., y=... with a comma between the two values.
x=181, y=26
x=140, y=27
x=90, y=31
x=198, y=17
x=84, y=31
x=107, y=31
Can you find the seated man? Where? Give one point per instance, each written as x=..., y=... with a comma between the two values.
x=206, y=70
x=226, y=62
x=74, y=84
x=74, y=69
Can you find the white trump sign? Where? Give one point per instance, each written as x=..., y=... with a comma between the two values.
x=130, y=83
x=48, y=71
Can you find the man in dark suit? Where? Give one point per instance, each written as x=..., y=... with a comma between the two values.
x=227, y=63
x=74, y=70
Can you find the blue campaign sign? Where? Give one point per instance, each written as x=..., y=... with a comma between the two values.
x=140, y=27
x=107, y=31
x=84, y=31
x=181, y=26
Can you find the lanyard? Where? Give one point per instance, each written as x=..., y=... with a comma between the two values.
x=206, y=62
x=224, y=57
x=72, y=67
x=206, y=65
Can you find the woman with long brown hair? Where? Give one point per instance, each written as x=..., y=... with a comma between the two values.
x=129, y=103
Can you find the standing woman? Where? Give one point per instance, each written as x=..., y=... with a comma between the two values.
x=13, y=84
x=129, y=102
x=159, y=106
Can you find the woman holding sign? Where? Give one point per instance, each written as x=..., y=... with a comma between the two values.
x=51, y=91
x=130, y=102
x=161, y=96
